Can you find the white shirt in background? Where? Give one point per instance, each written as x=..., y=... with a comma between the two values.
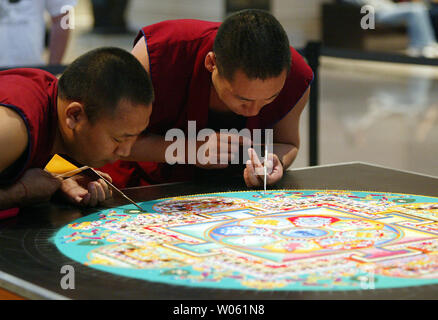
x=22, y=30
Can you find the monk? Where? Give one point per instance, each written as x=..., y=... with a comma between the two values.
x=238, y=74
x=93, y=115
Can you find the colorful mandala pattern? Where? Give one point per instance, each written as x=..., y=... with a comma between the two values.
x=281, y=240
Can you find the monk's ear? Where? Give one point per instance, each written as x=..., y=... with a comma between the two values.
x=210, y=61
x=74, y=114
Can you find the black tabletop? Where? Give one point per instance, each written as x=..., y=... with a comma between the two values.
x=30, y=264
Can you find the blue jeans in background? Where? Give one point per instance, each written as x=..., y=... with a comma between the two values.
x=416, y=16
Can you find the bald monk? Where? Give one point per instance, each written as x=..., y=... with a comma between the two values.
x=93, y=114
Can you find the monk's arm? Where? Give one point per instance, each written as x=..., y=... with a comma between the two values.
x=287, y=134
x=286, y=138
x=13, y=142
x=12, y=196
x=140, y=51
x=149, y=147
x=155, y=148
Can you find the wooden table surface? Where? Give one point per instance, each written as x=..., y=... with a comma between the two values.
x=6, y=295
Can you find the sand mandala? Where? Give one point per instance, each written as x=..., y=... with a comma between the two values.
x=281, y=240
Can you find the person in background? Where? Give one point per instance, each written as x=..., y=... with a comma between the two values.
x=415, y=15
x=109, y=16
x=433, y=12
x=22, y=32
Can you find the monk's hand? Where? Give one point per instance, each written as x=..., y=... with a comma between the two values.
x=254, y=171
x=219, y=150
x=38, y=185
x=86, y=190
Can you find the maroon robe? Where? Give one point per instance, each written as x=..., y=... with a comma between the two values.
x=32, y=94
x=177, y=50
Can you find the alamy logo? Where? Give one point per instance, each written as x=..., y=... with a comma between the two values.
x=229, y=146
x=367, y=281
x=68, y=281
x=368, y=21
x=68, y=20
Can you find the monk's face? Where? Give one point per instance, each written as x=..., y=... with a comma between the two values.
x=108, y=138
x=244, y=96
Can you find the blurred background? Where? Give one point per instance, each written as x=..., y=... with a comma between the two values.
x=376, y=112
